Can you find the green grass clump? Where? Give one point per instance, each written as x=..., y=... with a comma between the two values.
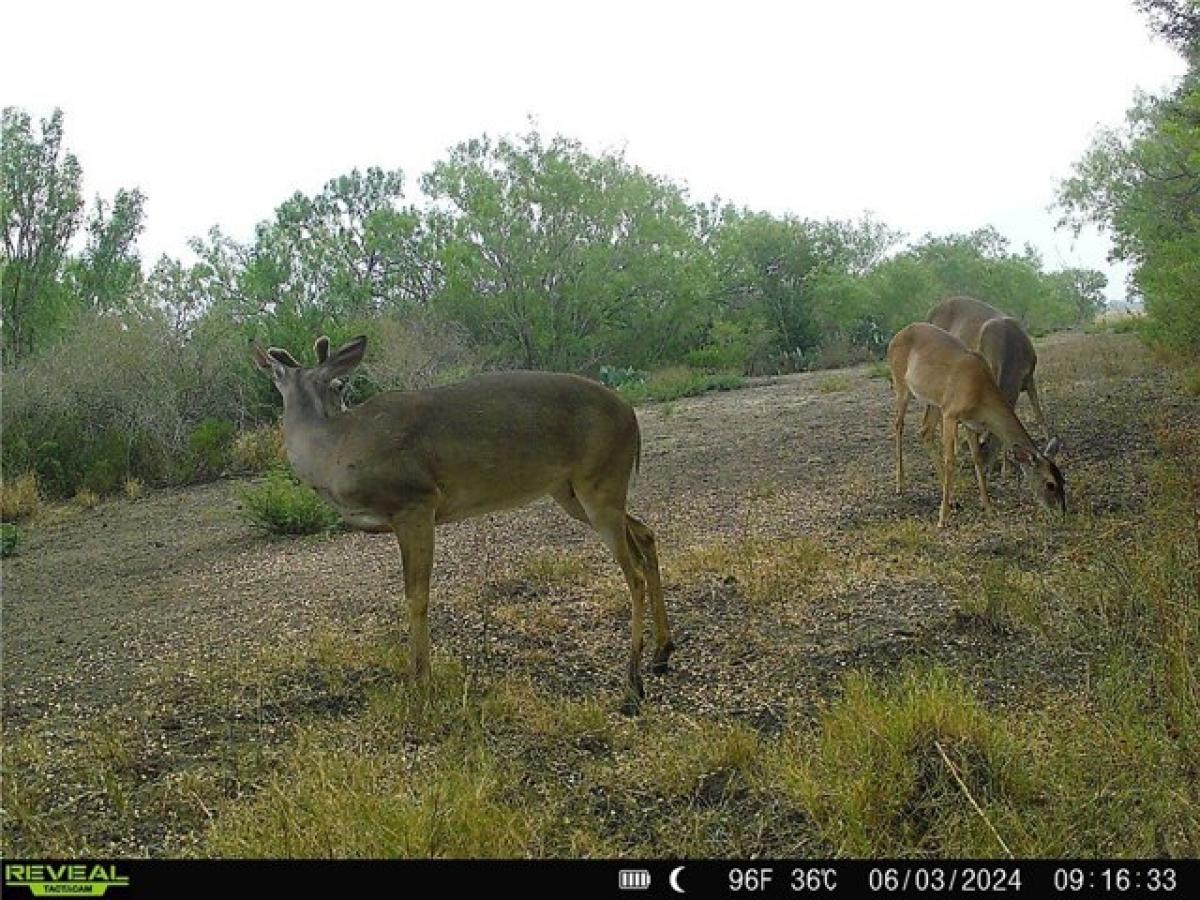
x=879, y=369
x=1001, y=598
x=282, y=505
x=1191, y=382
x=411, y=802
x=10, y=536
x=899, y=768
x=677, y=382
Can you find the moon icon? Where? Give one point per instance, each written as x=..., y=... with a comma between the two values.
x=674, y=879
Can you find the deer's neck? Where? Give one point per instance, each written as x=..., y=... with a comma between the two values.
x=309, y=440
x=1003, y=422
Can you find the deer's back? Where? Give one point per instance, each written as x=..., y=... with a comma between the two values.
x=964, y=317
x=1010, y=354
x=488, y=443
x=938, y=368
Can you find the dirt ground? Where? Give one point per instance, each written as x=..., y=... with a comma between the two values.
x=98, y=605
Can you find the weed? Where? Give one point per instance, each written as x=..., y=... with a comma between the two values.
x=282, y=505
x=10, y=536
x=833, y=384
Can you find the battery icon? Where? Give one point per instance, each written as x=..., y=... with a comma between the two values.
x=634, y=879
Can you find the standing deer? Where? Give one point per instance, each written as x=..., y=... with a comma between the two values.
x=937, y=368
x=405, y=461
x=1001, y=341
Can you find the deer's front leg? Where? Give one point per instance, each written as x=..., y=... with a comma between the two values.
x=949, y=439
x=414, y=531
x=898, y=433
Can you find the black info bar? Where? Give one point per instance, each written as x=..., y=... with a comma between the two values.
x=577, y=879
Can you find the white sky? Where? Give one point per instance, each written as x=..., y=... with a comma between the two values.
x=936, y=116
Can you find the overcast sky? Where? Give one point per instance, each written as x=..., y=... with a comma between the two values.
x=935, y=116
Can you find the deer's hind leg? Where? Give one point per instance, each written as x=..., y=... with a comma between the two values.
x=928, y=436
x=1030, y=388
x=645, y=543
x=978, y=458
x=607, y=517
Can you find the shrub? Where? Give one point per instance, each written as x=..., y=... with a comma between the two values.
x=120, y=398
x=282, y=505
x=9, y=538
x=733, y=346
x=616, y=377
x=133, y=489
x=258, y=449
x=840, y=352
x=19, y=498
x=210, y=446
x=106, y=463
x=676, y=382
x=421, y=350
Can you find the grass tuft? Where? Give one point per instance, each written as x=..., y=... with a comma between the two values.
x=19, y=498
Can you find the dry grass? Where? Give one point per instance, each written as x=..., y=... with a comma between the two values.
x=1081, y=358
x=765, y=570
x=133, y=489
x=834, y=384
x=19, y=498
x=85, y=499
x=259, y=449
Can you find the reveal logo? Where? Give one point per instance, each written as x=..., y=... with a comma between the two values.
x=64, y=880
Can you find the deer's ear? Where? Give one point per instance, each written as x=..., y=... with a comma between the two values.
x=347, y=357
x=281, y=355
x=321, y=348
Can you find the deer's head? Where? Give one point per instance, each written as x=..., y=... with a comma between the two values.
x=1046, y=482
x=315, y=391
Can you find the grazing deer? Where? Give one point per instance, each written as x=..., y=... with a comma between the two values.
x=405, y=461
x=1002, y=341
x=937, y=368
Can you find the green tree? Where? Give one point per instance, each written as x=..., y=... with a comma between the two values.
x=556, y=258
x=40, y=205
x=1141, y=183
x=108, y=274
x=1176, y=21
x=764, y=267
x=1083, y=290
x=349, y=250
